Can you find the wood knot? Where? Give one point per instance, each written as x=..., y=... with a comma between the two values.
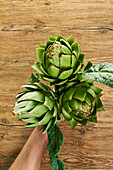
x=82, y=131
x=4, y=120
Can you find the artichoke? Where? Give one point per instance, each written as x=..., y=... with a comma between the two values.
x=36, y=106
x=59, y=60
x=81, y=102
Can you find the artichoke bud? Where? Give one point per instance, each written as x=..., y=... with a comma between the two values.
x=36, y=106
x=81, y=102
x=60, y=60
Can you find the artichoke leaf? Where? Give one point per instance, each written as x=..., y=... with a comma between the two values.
x=53, y=71
x=79, y=94
x=46, y=118
x=40, y=54
x=31, y=120
x=34, y=78
x=48, y=103
x=65, y=50
x=70, y=40
x=73, y=123
x=65, y=74
x=39, y=110
x=66, y=115
x=65, y=61
x=35, y=95
x=32, y=125
x=64, y=42
x=47, y=126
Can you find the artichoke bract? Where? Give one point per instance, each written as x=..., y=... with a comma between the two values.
x=81, y=103
x=59, y=60
x=36, y=106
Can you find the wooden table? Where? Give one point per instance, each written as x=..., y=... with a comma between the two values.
x=24, y=24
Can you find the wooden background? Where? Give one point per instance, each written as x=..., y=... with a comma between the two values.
x=24, y=24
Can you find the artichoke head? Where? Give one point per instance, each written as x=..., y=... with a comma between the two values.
x=80, y=103
x=59, y=61
x=36, y=106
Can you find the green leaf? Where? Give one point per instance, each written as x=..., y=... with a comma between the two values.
x=50, y=42
x=74, y=60
x=32, y=125
x=80, y=94
x=46, y=118
x=57, y=164
x=39, y=110
x=52, y=38
x=100, y=109
x=31, y=87
x=46, y=127
x=73, y=123
x=66, y=115
x=97, y=90
x=59, y=37
x=21, y=104
x=42, y=46
x=102, y=73
x=75, y=47
x=35, y=95
x=65, y=61
x=89, y=64
x=70, y=40
x=38, y=67
x=48, y=79
x=65, y=50
x=93, y=119
x=31, y=120
x=55, y=138
x=81, y=58
x=48, y=102
x=40, y=55
x=34, y=78
x=64, y=42
x=65, y=74
x=42, y=86
x=69, y=94
x=53, y=71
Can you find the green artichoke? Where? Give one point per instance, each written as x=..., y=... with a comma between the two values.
x=59, y=60
x=36, y=106
x=81, y=103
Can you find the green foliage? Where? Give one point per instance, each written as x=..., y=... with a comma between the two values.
x=34, y=78
x=102, y=73
x=55, y=138
x=60, y=62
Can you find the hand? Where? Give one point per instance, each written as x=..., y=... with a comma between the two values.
x=31, y=155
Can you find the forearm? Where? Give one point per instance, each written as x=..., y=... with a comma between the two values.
x=31, y=155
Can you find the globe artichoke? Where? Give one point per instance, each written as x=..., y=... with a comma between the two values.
x=81, y=102
x=36, y=106
x=59, y=60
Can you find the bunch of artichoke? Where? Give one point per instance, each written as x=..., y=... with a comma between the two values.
x=60, y=62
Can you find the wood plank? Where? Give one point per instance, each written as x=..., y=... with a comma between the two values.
x=24, y=24
x=74, y=13
x=83, y=147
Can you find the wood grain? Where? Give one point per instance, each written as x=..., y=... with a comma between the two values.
x=24, y=24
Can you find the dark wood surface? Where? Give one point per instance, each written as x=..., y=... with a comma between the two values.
x=24, y=24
